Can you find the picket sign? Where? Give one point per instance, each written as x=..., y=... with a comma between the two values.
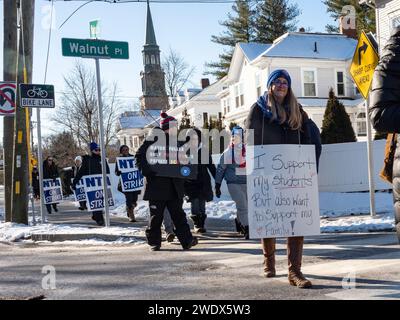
x=93, y=185
x=79, y=192
x=282, y=190
x=131, y=177
x=52, y=191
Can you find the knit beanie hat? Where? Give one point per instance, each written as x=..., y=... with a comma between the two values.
x=166, y=121
x=280, y=73
x=93, y=146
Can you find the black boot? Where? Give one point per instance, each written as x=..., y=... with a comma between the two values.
x=246, y=232
x=238, y=225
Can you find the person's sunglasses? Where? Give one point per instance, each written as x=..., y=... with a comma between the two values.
x=97, y=149
x=279, y=83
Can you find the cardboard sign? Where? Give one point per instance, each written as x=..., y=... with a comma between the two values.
x=79, y=192
x=131, y=177
x=93, y=185
x=52, y=191
x=282, y=190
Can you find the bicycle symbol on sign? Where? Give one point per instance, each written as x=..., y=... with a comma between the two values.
x=37, y=92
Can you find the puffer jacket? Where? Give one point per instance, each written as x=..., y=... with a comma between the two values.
x=385, y=106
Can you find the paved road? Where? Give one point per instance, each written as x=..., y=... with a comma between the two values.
x=222, y=266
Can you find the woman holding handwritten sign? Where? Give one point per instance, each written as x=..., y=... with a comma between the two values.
x=277, y=118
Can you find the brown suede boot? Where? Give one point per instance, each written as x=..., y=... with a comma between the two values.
x=131, y=215
x=268, y=245
x=295, y=255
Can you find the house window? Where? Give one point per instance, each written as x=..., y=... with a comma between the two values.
x=356, y=91
x=340, y=83
x=136, y=142
x=225, y=105
x=153, y=59
x=239, y=97
x=361, y=124
x=131, y=142
x=309, y=83
x=124, y=141
x=395, y=22
x=258, y=84
x=205, y=117
x=147, y=59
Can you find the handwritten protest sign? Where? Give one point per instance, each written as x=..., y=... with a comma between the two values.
x=52, y=191
x=93, y=185
x=79, y=192
x=282, y=189
x=131, y=178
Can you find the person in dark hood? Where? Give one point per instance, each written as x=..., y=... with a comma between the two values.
x=50, y=171
x=164, y=192
x=277, y=118
x=385, y=108
x=199, y=191
x=130, y=197
x=92, y=165
x=35, y=183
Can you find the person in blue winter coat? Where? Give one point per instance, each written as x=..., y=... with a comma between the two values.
x=232, y=168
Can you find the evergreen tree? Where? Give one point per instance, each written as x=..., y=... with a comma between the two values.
x=275, y=18
x=336, y=126
x=185, y=122
x=239, y=28
x=365, y=16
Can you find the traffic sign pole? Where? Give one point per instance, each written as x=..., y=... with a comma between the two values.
x=365, y=59
x=101, y=140
x=40, y=166
x=370, y=162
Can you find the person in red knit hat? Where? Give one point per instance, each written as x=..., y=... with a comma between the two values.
x=164, y=192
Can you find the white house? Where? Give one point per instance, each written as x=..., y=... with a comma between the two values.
x=387, y=18
x=316, y=63
x=201, y=104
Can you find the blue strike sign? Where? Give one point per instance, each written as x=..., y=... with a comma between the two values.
x=93, y=185
x=52, y=191
x=131, y=177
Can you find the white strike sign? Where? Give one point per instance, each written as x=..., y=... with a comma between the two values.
x=52, y=191
x=93, y=185
x=282, y=190
x=131, y=178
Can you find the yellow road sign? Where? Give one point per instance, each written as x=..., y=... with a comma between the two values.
x=362, y=68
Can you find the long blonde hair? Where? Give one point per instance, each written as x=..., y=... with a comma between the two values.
x=294, y=119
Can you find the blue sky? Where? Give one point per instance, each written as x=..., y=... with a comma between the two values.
x=187, y=28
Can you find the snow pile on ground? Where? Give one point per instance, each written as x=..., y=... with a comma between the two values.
x=382, y=222
x=12, y=232
x=345, y=204
x=223, y=209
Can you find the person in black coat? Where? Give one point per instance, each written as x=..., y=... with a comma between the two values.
x=92, y=165
x=199, y=191
x=385, y=107
x=130, y=197
x=163, y=192
x=50, y=171
x=78, y=163
x=277, y=118
x=35, y=183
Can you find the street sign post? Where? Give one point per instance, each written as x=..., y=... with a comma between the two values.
x=7, y=98
x=37, y=95
x=90, y=48
x=97, y=49
x=362, y=69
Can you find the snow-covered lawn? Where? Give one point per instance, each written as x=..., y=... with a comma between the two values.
x=340, y=212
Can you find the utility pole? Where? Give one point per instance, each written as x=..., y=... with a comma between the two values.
x=20, y=181
x=9, y=74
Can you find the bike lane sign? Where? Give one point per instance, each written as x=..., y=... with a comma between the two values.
x=37, y=95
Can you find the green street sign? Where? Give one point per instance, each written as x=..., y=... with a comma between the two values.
x=94, y=29
x=90, y=48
